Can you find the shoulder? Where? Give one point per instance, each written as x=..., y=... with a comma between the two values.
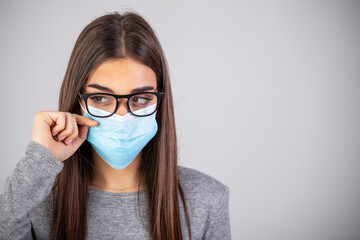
x=202, y=188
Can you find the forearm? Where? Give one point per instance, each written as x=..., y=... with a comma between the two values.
x=28, y=185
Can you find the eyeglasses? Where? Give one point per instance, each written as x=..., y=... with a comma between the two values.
x=104, y=105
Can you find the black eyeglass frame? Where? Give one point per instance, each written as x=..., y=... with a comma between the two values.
x=158, y=95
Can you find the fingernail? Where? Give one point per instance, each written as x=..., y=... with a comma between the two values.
x=68, y=141
x=54, y=134
x=61, y=138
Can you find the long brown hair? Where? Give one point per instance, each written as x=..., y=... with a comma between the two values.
x=116, y=36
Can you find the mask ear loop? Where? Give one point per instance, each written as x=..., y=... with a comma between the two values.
x=81, y=104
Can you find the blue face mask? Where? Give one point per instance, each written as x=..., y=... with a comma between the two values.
x=119, y=139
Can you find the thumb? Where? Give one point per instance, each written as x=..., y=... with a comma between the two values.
x=83, y=130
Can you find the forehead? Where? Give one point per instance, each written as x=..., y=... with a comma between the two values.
x=121, y=76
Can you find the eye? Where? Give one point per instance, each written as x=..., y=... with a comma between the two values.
x=140, y=100
x=100, y=100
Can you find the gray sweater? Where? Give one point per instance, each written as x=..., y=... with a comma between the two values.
x=26, y=204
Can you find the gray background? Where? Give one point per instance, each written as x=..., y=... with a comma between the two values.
x=266, y=97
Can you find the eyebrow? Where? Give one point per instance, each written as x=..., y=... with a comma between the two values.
x=99, y=87
x=102, y=88
x=142, y=89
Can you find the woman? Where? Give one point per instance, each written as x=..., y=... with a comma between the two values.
x=123, y=182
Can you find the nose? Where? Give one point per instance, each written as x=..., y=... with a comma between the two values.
x=122, y=107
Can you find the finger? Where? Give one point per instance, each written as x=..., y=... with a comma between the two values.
x=60, y=123
x=74, y=135
x=69, y=128
x=81, y=120
x=83, y=130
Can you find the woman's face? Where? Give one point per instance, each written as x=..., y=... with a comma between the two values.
x=121, y=77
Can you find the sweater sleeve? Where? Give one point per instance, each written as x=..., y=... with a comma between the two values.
x=29, y=184
x=219, y=225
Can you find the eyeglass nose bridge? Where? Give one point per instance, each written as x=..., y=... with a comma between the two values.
x=119, y=102
x=126, y=97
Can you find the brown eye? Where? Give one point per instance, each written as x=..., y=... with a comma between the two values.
x=140, y=100
x=99, y=99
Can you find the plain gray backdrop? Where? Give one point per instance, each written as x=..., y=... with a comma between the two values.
x=266, y=100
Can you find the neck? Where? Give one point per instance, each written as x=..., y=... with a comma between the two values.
x=109, y=179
